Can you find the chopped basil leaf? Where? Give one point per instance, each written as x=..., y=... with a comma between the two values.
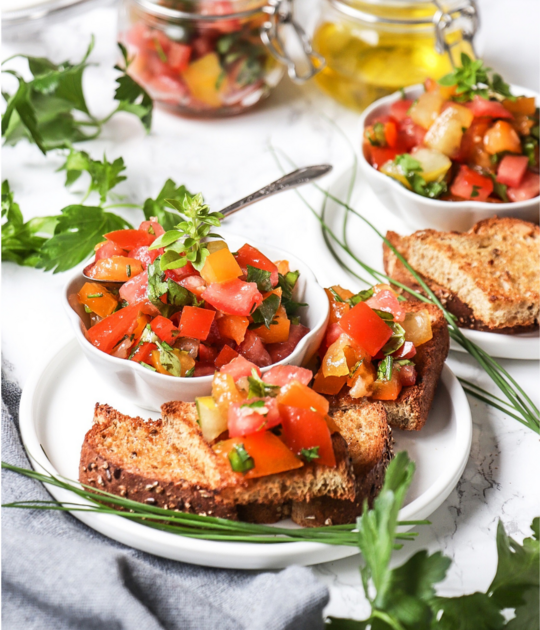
x=258, y=388
x=287, y=284
x=261, y=277
x=474, y=191
x=355, y=367
x=168, y=359
x=498, y=188
x=529, y=144
x=240, y=459
x=94, y=295
x=177, y=295
x=396, y=340
x=309, y=454
x=159, y=285
x=148, y=367
x=128, y=271
x=87, y=309
x=384, y=369
x=404, y=362
x=408, y=163
x=266, y=312
x=256, y=404
x=388, y=317
x=190, y=372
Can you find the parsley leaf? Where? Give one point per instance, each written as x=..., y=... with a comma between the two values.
x=411, y=169
x=265, y=313
x=104, y=176
x=260, y=277
x=240, y=459
x=258, y=388
x=310, y=454
x=159, y=285
x=287, y=284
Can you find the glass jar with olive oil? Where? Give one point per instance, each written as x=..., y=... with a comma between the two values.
x=375, y=47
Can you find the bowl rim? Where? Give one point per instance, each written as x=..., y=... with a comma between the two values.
x=436, y=204
x=124, y=363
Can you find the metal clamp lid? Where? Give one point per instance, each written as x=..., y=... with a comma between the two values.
x=280, y=14
x=467, y=16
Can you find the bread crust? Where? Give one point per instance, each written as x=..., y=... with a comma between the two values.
x=496, y=245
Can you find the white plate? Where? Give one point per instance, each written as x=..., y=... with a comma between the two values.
x=57, y=408
x=367, y=246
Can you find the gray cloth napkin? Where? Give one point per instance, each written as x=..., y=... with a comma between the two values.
x=59, y=574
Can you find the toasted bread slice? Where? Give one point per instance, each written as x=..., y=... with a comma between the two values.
x=410, y=411
x=487, y=277
x=369, y=438
x=168, y=463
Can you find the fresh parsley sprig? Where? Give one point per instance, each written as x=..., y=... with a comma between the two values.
x=184, y=243
x=411, y=169
x=473, y=78
x=51, y=109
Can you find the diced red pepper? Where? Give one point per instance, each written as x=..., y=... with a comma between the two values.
x=134, y=291
x=248, y=255
x=407, y=351
x=483, y=107
x=109, y=331
x=410, y=135
x=182, y=272
x=130, y=239
x=234, y=297
x=165, y=329
x=239, y=368
x=381, y=155
x=283, y=374
x=387, y=301
x=244, y=420
x=512, y=169
x=470, y=184
x=196, y=322
x=252, y=348
x=225, y=356
x=528, y=189
x=306, y=429
x=366, y=327
x=279, y=351
x=144, y=353
x=399, y=109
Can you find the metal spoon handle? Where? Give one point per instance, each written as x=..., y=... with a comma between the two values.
x=291, y=180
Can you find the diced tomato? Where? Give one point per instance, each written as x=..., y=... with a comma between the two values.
x=391, y=134
x=240, y=367
x=280, y=351
x=203, y=45
x=411, y=135
x=399, y=109
x=333, y=333
x=116, y=269
x=178, y=56
x=152, y=227
x=134, y=291
x=523, y=105
x=472, y=150
x=366, y=327
x=381, y=155
x=109, y=331
x=279, y=328
x=225, y=356
x=512, y=169
x=248, y=255
x=491, y=109
x=283, y=374
x=195, y=284
x=182, y=272
x=234, y=297
x=130, y=239
x=144, y=353
x=528, y=189
x=221, y=7
x=407, y=351
x=233, y=327
x=469, y=184
x=145, y=255
x=243, y=419
x=195, y=322
x=252, y=348
x=338, y=308
x=165, y=329
x=108, y=249
x=269, y=453
x=140, y=324
x=207, y=354
x=407, y=375
x=296, y=394
x=305, y=429
x=204, y=369
x=387, y=301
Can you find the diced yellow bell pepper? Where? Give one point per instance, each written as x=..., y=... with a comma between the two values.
x=202, y=76
x=434, y=164
x=279, y=328
x=233, y=327
x=446, y=132
x=97, y=298
x=213, y=423
x=426, y=109
x=214, y=246
x=221, y=266
x=329, y=385
x=417, y=327
x=225, y=392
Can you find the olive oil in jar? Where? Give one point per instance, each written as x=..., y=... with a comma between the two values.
x=375, y=48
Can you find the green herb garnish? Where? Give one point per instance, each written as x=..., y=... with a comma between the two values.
x=310, y=454
x=264, y=314
x=376, y=135
x=94, y=295
x=148, y=367
x=240, y=459
x=287, y=284
x=261, y=277
x=385, y=368
x=258, y=388
x=189, y=373
x=474, y=191
x=256, y=404
x=411, y=169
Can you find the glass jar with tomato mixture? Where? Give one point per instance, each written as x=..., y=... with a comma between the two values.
x=208, y=58
x=373, y=48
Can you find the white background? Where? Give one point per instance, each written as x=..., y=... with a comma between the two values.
x=226, y=159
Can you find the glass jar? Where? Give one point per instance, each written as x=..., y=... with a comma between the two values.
x=207, y=58
x=374, y=47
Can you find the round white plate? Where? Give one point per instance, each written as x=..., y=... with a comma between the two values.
x=57, y=408
x=367, y=246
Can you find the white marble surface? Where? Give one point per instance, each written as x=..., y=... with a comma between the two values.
x=229, y=158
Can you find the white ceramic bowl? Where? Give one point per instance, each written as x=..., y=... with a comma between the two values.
x=421, y=212
x=150, y=390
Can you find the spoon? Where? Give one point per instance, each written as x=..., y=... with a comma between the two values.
x=299, y=177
